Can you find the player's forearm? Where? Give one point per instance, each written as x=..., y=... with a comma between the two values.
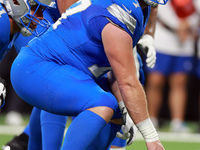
x=114, y=86
x=135, y=100
x=151, y=24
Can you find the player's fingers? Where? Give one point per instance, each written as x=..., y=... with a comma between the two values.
x=125, y=129
x=149, y=59
x=119, y=135
x=151, y=64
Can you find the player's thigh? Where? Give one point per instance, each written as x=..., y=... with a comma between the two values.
x=81, y=92
x=60, y=89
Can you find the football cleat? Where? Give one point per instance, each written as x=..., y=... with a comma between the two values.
x=17, y=143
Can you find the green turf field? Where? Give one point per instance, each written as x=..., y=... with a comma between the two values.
x=170, y=141
x=137, y=145
x=140, y=145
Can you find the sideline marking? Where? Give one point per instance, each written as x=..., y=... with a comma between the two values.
x=163, y=136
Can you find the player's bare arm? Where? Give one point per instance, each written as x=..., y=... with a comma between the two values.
x=120, y=55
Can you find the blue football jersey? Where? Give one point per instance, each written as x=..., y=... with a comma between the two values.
x=6, y=42
x=18, y=40
x=51, y=14
x=75, y=39
x=54, y=13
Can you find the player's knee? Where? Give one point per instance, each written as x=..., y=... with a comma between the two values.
x=107, y=100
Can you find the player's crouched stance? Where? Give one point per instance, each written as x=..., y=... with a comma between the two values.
x=75, y=66
x=2, y=92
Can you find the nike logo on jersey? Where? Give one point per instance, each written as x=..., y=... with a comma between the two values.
x=129, y=11
x=2, y=12
x=136, y=4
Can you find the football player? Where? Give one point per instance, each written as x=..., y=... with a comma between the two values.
x=65, y=63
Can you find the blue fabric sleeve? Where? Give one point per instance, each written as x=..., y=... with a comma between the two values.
x=96, y=25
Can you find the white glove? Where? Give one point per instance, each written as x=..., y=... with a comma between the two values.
x=2, y=92
x=146, y=43
x=128, y=128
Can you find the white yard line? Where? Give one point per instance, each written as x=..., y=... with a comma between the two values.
x=11, y=130
x=164, y=136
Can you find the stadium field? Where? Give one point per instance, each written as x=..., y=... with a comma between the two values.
x=171, y=141
x=139, y=144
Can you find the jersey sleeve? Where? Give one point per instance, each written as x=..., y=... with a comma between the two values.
x=96, y=25
x=95, y=19
x=98, y=16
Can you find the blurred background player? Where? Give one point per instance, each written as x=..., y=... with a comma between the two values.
x=197, y=69
x=174, y=42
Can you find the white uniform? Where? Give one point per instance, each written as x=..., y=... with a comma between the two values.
x=166, y=41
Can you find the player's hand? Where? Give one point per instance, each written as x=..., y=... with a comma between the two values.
x=146, y=44
x=156, y=145
x=128, y=128
x=2, y=92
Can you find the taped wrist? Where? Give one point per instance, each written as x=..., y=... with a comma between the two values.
x=147, y=130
